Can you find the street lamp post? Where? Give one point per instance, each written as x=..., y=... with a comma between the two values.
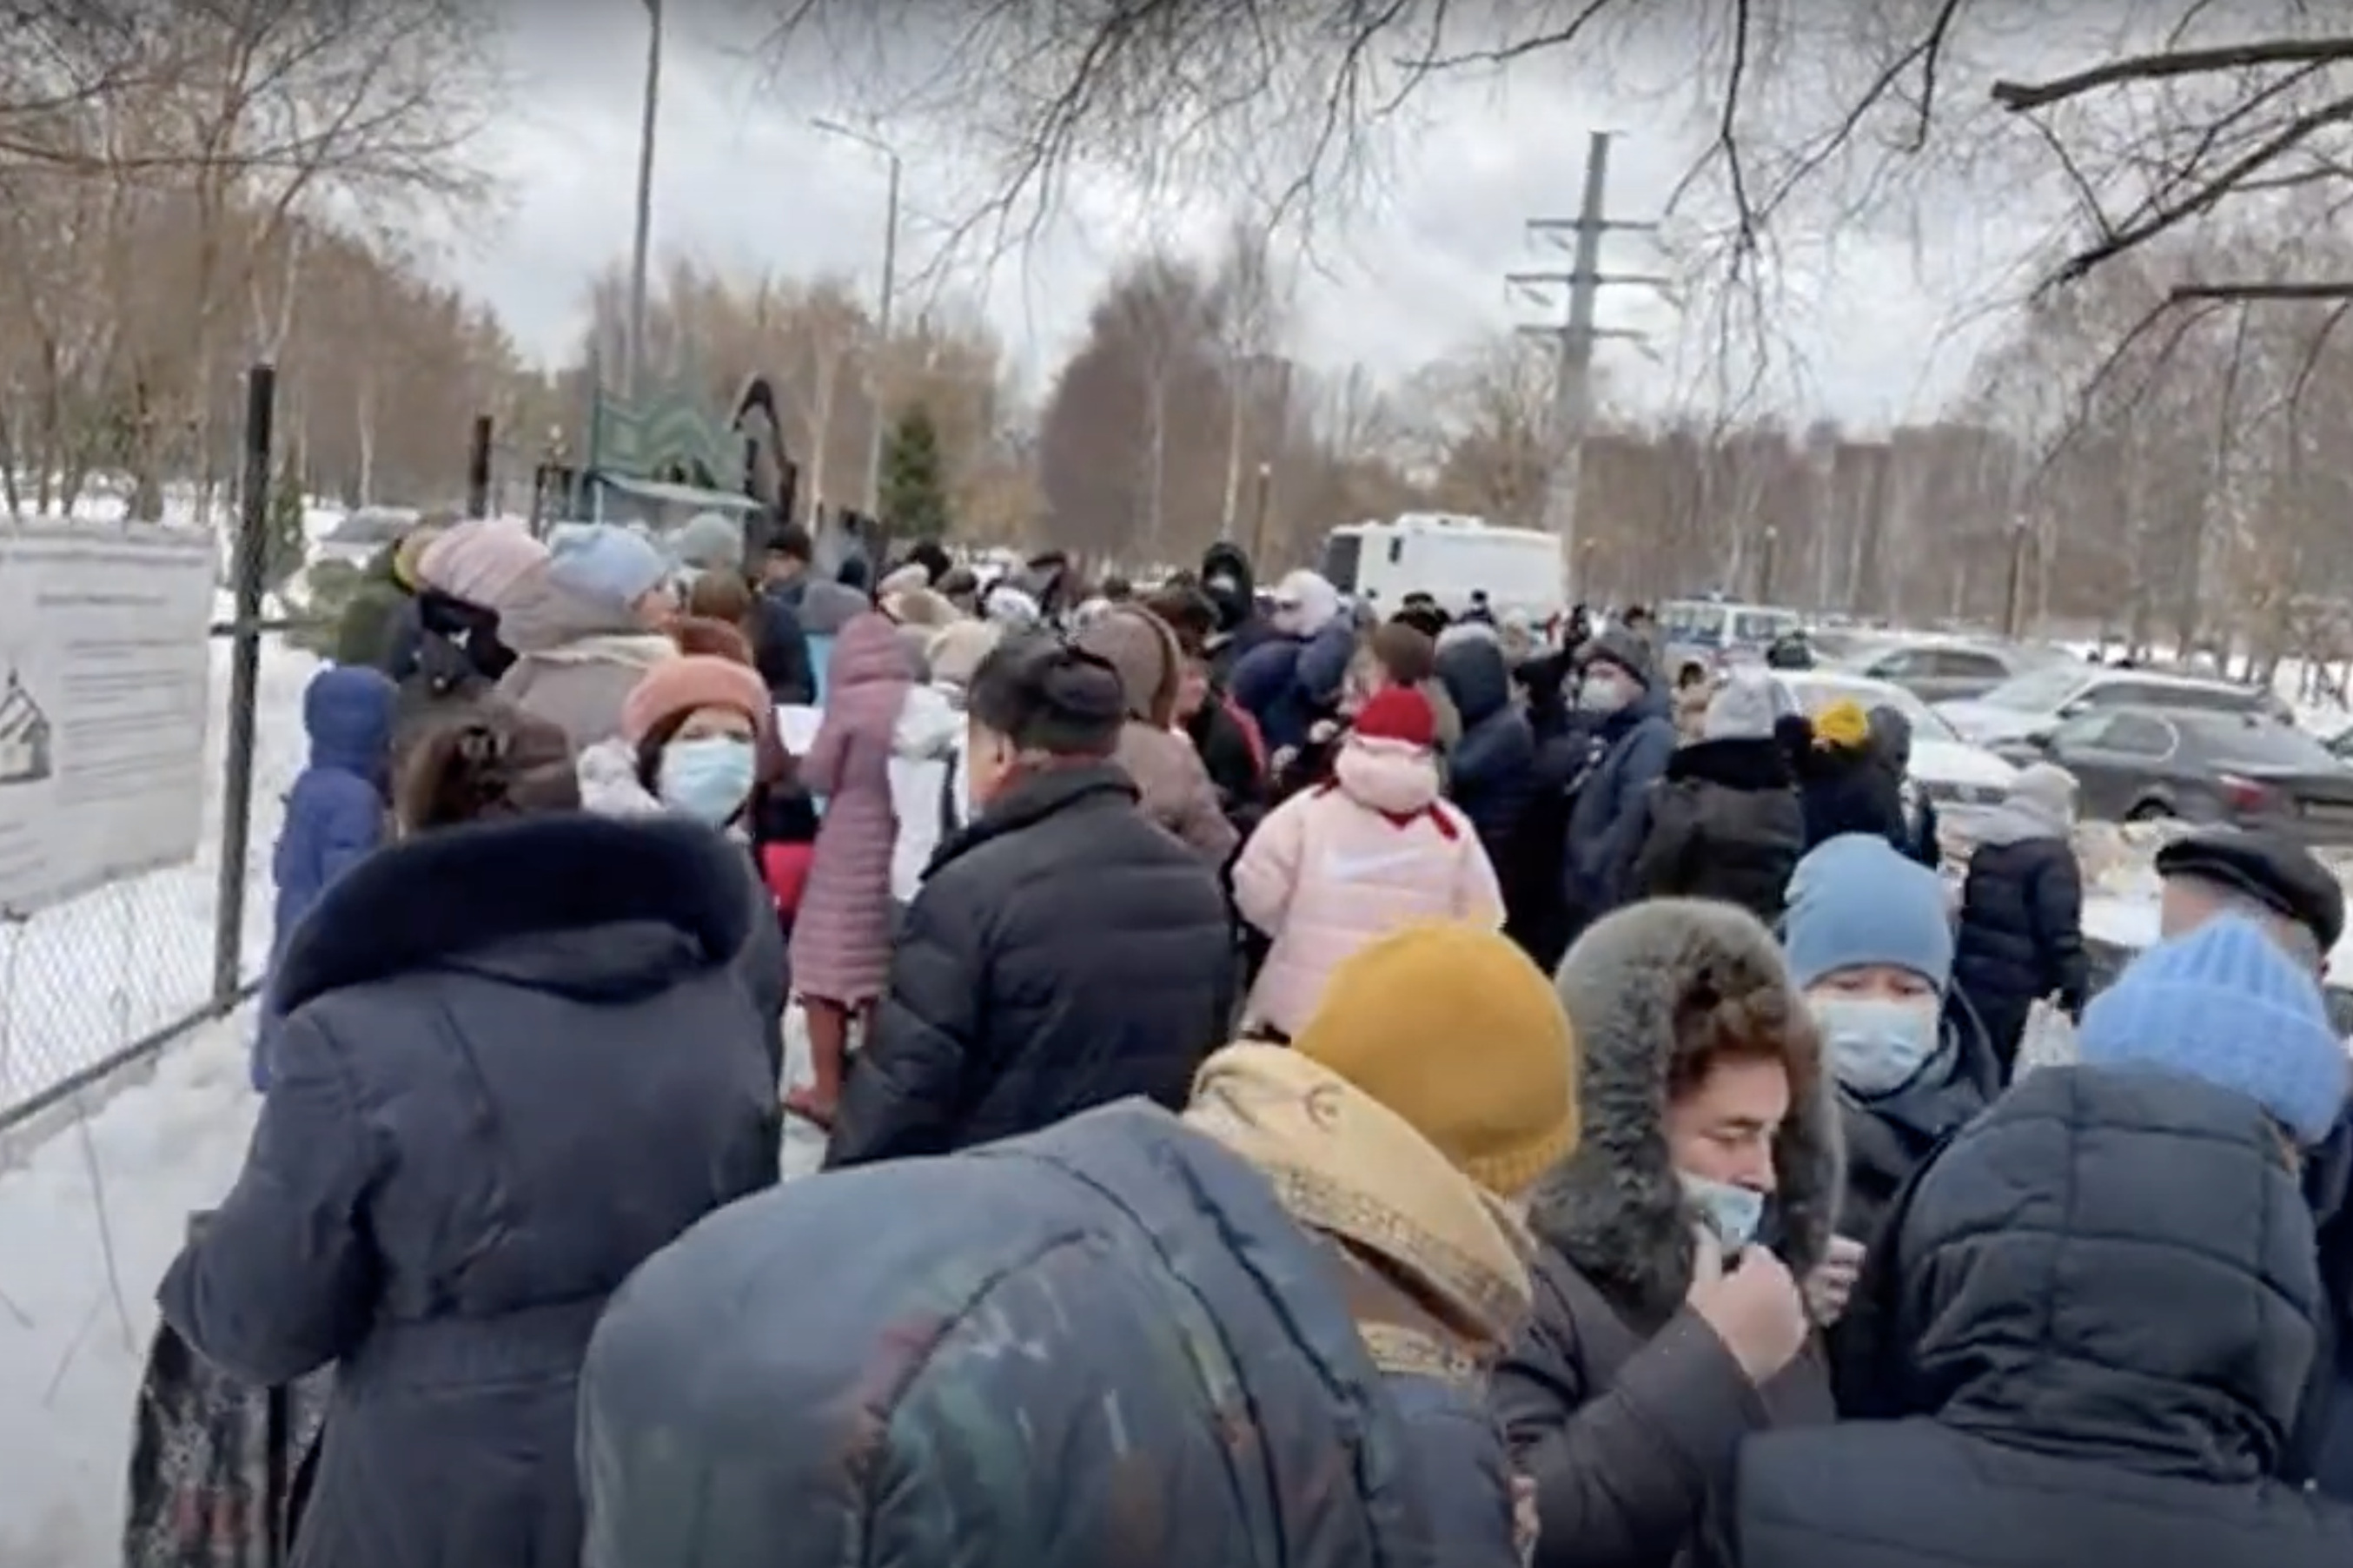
x=882, y=306
x=633, y=340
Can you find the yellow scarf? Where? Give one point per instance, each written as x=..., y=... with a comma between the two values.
x=1344, y=1164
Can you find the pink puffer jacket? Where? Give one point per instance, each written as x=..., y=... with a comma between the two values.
x=1340, y=866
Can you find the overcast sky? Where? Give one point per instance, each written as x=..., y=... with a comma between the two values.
x=1885, y=324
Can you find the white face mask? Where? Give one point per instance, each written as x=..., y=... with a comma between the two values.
x=1732, y=1212
x=1603, y=694
x=1877, y=1045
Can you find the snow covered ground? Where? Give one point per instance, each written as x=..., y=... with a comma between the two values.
x=86, y=1228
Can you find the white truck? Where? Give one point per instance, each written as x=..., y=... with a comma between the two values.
x=1449, y=557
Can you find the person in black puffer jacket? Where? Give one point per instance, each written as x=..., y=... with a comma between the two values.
x=1064, y=951
x=1726, y=822
x=1492, y=771
x=1846, y=783
x=2092, y=1322
x=2021, y=932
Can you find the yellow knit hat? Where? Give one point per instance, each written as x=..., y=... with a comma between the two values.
x=1842, y=726
x=1453, y=1029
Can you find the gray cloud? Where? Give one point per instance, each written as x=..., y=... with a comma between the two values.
x=1871, y=323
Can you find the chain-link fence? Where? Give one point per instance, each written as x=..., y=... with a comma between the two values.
x=90, y=983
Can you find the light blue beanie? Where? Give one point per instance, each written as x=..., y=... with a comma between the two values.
x=611, y=565
x=2224, y=1005
x=1855, y=901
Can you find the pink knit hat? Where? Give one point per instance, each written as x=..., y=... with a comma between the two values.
x=481, y=562
x=690, y=681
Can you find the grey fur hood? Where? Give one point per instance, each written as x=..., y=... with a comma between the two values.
x=1614, y=1209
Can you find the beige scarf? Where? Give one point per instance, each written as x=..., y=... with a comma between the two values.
x=1344, y=1164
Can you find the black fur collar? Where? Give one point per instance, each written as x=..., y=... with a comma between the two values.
x=1614, y=1209
x=461, y=889
x=1752, y=764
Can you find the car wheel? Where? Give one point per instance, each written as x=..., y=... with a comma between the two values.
x=2150, y=811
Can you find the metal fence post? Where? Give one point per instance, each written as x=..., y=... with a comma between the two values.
x=247, y=571
x=478, y=468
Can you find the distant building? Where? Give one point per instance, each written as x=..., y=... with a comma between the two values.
x=26, y=735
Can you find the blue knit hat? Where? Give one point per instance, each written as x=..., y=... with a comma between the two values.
x=612, y=565
x=1855, y=901
x=2224, y=1005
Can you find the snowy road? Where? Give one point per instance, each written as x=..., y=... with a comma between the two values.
x=86, y=1228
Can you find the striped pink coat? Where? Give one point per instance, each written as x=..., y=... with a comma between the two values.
x=841, y=935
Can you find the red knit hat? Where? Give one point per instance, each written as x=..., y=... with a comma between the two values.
x=690, y=681
x=1398, y=713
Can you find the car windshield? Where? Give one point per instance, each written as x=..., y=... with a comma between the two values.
x=1815, y=694
x=2038, y=690
x=2254, y=743
x=1762, y=626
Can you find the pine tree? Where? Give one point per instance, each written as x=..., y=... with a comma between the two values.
x=914, y=488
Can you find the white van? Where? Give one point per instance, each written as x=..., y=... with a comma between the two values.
x=1449, y=557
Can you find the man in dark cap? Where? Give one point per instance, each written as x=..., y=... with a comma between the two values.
x=2284, y=888
x=2266, y=875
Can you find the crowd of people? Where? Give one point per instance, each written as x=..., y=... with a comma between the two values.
x=1298, y=1090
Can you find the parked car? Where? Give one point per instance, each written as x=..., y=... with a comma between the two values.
x=2138, y=764
x=1943, y=668
x=2033, y=705
x=1965, y=780
x=359, y=534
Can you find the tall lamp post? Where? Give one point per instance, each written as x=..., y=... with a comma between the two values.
x=882, y=307
x=633, y=339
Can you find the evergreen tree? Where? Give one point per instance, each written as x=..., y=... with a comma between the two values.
x=914, y=487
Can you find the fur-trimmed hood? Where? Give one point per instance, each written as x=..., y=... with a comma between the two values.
x=1614, y=1209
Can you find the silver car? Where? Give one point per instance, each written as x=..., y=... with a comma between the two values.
x=1943, y=669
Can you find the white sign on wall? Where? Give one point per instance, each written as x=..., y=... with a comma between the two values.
x=104, y=693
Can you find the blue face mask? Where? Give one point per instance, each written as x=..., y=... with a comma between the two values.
x=707, y=779
x=1876, y=1045
x=1732, y=1212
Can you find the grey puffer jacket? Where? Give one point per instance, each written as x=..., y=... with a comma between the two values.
x=1622, y=1403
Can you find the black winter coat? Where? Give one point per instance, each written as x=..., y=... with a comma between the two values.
x=1492, y=773
x=2096, y=1318
x=1725, y=822
x=2022, y=936
x=1853, y=792
x=1232, y=760
x=1063, y=953
x=517, y=1061
x=780, y=648
x=1888, y=1137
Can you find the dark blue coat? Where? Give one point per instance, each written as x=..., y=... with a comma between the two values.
x=1492, y=772
x=1629, y=752
x=2094, y=1315
x=2021, y=936
x=1288, y=683
x=518, y=1059
x=335, y=812
x=2324, y=1448
x=1102, y=1343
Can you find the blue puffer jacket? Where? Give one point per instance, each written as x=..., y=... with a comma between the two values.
x=1288, y=683
x=1630, y=752
x=1492, y=773
x=335, y=814
x=1101, y=1343
x=518, y=1059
